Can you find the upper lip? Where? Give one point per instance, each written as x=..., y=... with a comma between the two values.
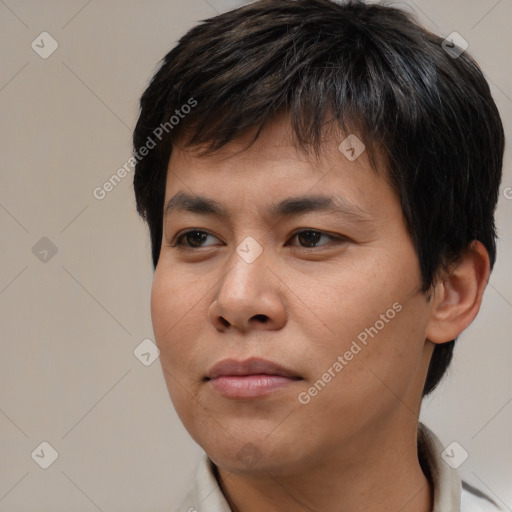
x=253, y=366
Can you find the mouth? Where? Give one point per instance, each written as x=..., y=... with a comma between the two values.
x=251, y=378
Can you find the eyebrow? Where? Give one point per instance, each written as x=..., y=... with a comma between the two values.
x=290, y=207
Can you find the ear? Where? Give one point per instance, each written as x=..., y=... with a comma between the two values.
x=457, y=296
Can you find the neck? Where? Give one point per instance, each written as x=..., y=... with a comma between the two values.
x=377, y=471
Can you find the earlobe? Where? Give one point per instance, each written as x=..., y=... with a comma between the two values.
x=457, y=296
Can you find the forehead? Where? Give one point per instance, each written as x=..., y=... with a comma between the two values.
x=273, y=167
x=277, y=142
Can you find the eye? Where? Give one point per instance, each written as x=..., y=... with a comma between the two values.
x=310, y=238
x=193, y=238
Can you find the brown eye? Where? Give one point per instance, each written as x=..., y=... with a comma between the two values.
x=310, y=238
x=194, y=238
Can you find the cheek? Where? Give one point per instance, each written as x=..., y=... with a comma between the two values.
x=339, y=304
x=379, y=336
x=379, y=364
x=172, y=299
x=175, y=306
x=163, y=301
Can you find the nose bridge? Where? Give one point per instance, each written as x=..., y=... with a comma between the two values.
x=245, y=277
x=248, y=295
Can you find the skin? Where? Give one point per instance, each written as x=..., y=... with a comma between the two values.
x=352, y=447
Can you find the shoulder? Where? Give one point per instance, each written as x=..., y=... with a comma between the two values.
x=450, y=493
x=474, y=500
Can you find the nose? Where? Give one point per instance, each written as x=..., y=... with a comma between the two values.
x=250, y=297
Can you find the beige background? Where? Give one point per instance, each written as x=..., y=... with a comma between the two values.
x=68, y=375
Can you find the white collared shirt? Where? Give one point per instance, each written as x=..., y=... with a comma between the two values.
x=449, y=495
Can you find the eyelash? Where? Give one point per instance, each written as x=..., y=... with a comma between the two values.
x=179, y=245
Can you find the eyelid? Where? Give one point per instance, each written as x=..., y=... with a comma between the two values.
x=332, y=236
x=182, y=234
x=176, y=242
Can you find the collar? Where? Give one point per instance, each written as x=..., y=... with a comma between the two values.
x=445, y=481
x=206, y=496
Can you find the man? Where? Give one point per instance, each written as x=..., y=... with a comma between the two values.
x=319, y=180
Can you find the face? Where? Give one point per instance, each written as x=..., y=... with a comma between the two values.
x=286, y=303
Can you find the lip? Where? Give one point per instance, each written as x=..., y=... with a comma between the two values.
x=251, y=378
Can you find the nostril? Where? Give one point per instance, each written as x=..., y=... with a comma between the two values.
x=224, y=322
x=261, y=318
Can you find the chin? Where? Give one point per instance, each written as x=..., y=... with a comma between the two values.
x=254, y=454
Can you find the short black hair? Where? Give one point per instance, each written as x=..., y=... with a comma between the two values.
x=369, y=68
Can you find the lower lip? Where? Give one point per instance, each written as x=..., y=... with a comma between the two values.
x=249, y=386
